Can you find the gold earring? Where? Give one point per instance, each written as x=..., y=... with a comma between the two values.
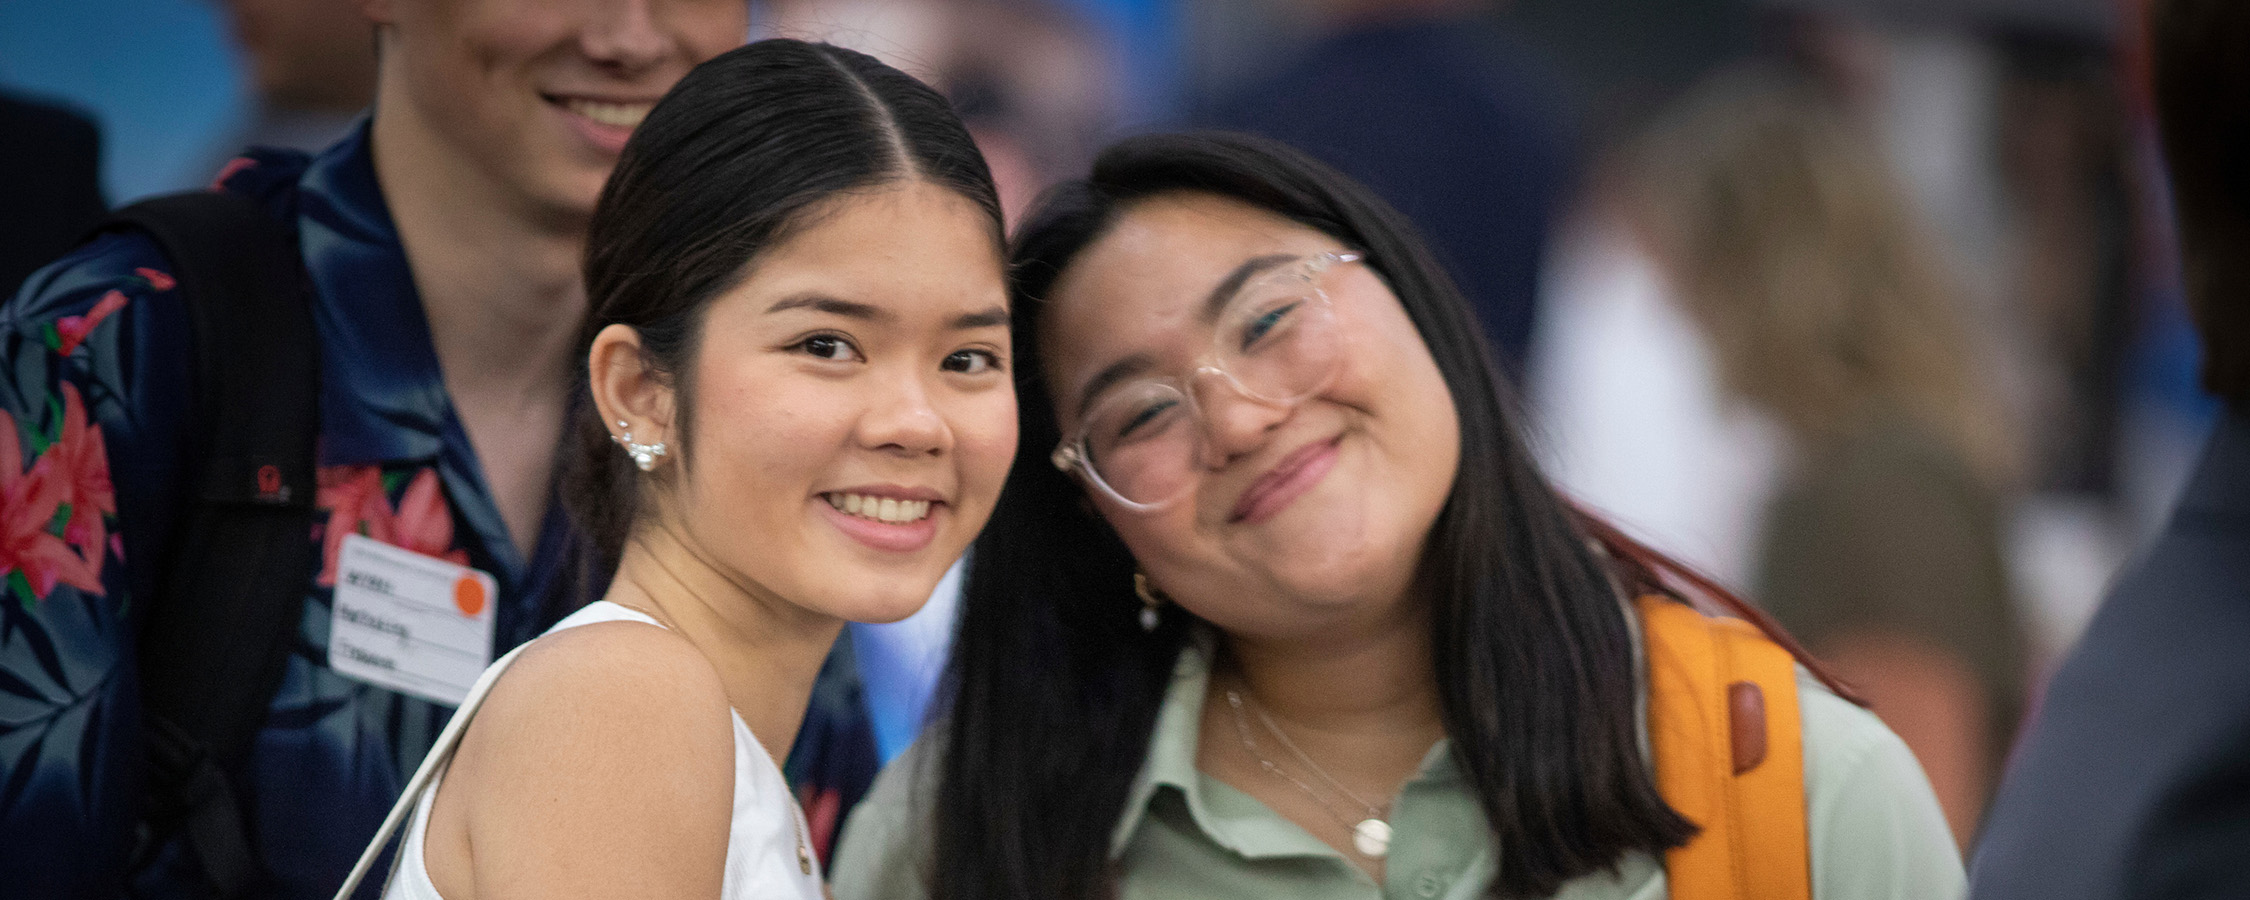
x=1151, y=601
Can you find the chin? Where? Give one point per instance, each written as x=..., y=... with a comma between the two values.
x=1336, y=575
x=569, y=188
x=876, y=597
x=1341, y=589
x=882, y=610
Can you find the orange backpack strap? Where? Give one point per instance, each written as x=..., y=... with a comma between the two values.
x=1723, y=723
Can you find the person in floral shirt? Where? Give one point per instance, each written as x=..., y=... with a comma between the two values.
x=440, y=243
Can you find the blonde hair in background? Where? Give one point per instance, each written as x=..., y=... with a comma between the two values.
x=1791, y=243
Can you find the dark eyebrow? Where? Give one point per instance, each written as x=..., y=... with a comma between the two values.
x=1141, y=362
x=986, y=318
x=1109, y=377
x=1231, y=284
x=831, y=306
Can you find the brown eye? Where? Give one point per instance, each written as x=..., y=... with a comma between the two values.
x=828, y=346
x=972, y=362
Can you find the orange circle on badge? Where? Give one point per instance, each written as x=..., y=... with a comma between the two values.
x=468, y=595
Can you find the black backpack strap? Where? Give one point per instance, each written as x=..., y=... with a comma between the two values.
x=231, y=593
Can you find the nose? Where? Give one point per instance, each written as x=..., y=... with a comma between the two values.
x=622, y=36
x=1234, y=423
x=903, y=420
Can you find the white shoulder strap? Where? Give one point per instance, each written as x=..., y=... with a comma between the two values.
x=440, y=753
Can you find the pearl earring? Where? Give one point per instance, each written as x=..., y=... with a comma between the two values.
x=644, y=455
x=1152, y=601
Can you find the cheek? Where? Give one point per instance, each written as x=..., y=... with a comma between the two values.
x=709, y=29
x=1423, y=407
x=1422, y=438
x=985, y=441
x=470, y=84
x=1391, y=370
x=1399, y=474
x=505, y=30
x=759, y=434
x=1164, y=543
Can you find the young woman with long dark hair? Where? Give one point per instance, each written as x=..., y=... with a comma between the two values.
x=796, y=413
x=1276, y=604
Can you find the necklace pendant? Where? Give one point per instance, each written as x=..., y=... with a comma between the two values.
x=1372, y=838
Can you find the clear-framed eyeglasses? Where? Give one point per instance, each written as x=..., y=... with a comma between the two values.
x=1275, y=342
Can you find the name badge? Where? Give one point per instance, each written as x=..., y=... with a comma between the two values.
x=411, y=623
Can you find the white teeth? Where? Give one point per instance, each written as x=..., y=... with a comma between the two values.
x=618, y=115
x=881, y=509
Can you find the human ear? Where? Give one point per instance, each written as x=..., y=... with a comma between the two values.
x=627, y=389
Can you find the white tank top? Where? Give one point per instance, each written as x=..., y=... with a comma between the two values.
x=764, y=841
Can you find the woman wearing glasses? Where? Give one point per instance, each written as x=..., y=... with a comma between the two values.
x=1276, y=605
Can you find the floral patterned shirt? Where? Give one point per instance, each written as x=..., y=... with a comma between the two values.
x=94, y=435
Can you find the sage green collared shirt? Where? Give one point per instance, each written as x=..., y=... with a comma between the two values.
x=1876, y=830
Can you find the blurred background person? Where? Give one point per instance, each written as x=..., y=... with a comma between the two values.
x=2016, y=138
x=1039, y=82
x=1444, y=113
x=1785, y=238
x=42, y=216
x=2011, y=127
x=310, y=72
x=2132, y=782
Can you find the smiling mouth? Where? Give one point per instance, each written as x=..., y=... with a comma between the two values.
x=1287, y=480
x=889, y=510
x=614, y=115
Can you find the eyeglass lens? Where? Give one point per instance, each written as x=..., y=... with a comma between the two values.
x=1276, y=342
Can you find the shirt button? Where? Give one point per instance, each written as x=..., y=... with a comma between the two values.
x=1429, y=885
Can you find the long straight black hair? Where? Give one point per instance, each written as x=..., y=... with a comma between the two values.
x=1054, y=687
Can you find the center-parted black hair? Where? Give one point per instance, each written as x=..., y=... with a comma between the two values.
x=1054, y=688
x=740, y=155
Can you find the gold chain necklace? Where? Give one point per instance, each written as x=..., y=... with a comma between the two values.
x=796, y=810
x=796, y=815
x=1371, y=836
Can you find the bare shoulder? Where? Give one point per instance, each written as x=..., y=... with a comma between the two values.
x=622, y=653
x=601, y=764
x=607, y=688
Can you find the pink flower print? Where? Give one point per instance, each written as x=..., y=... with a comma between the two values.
x=824, y=812
x=233, y=167
x=28, y=501
x=356, y=504
x=158, y=280
x=423, y=524
x=72, y=330
x=81, y=464
x=353, y=496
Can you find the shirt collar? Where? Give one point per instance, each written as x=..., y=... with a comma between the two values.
x=1171, y=748
x=1226, y=816
x=382, y=395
